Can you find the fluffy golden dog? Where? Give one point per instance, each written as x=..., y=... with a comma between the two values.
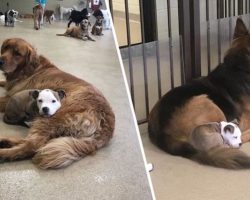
x=84, y=123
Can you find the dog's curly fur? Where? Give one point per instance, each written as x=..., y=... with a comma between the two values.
x=84, y=123
x=223, y=95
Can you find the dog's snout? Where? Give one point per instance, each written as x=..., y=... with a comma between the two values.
x=240, y=144
x=45, y=110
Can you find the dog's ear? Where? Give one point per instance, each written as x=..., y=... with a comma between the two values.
x=235, y=121
x=4, y=45
x=240, y=29
x=31, y=57
x=229, y=128
x=34, y=94
x=61, y=94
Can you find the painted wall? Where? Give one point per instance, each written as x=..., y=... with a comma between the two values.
x=25, y=6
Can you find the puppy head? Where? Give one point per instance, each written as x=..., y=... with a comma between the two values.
x=16, y=55
x=99, y=20
x=48, y=101
x=84, y=24
x=231, y=134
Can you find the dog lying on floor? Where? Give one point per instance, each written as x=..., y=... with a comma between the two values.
x=84, y=123
x=38, y=13
x=81, y=32
x=25, y=105
x=97, y=28
x=10, y=17
x=222, y=95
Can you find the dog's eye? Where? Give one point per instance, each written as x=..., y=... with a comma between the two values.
x=235, y=137
x=53, y=101
x=40, y=100
x=16, y=52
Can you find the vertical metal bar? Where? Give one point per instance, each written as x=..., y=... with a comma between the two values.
x=195, y=38
x=219, y=31
x=208, y=38
x=183, y=78
x=131, y=74
x=234, y=13
x=158, y=64
x=230, y=21
x=170, y=44
x=144, y=60
x=240, y=7
x=225, y=8
x=246, y=2
x=111, y=8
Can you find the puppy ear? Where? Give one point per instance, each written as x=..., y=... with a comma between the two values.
x=229, y=128
x=34, y=94
x=61, y=94
x=235, y=121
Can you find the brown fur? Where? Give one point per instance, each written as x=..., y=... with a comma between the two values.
x=173, y=134
x=48, y=14
x=84, y=123
x=81, y=32
x=38, y=13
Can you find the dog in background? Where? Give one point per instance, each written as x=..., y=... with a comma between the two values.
x=38, y=14
x=25, y=105
x=10, y=17
x=97, y=28
x=78, y=16
x=64, y=11
x=105, y=16
x=84, y=123
x=81, y=32
x=223, y=95
x=49, y=15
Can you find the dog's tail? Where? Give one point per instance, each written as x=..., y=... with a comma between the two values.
x=60, y=34
x=61, y=152
x=223, y=157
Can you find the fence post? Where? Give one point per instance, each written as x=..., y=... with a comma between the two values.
x=189, y=28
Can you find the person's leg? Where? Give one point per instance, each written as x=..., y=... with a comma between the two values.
x=43, y=5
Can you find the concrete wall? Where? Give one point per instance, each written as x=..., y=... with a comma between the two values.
x=25, y=6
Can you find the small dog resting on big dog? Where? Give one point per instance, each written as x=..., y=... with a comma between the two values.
x=84, y=123
x=10, y=17
x=26, y=105
x=81, y=32
x=210, y=135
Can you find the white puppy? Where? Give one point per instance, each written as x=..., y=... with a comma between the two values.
x=231, y=134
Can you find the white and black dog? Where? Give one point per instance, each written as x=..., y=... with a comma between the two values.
x=24, y=106
x=10, y=17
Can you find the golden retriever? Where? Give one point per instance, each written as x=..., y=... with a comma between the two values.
x=84, y=123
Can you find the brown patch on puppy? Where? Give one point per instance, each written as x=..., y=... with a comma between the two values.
x=84, y=123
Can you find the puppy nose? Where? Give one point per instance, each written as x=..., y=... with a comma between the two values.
x=45, y=110
x=240, y=144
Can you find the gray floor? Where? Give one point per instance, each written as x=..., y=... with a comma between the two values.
x=116, y=171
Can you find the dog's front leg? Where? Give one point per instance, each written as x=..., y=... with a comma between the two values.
x=3, y=103
x=23, y=148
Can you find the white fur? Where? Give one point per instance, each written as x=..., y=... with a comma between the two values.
x=64, y=11
x=47, y=99
x=233, y=139
x=11, y=20
x=106, y=19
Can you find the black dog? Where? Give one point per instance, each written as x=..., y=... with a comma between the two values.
x=98, y=13
x=78, y=16
x=223, y=95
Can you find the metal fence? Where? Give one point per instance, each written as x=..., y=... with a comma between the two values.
x=191, y=38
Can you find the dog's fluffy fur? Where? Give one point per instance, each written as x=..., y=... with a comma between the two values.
x=10, y=17
x=81, y=32
x=38, y=15
x=223, y=95
x=78, y=16
x=84, y=123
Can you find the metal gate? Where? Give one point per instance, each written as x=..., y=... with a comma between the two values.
x=191, y=38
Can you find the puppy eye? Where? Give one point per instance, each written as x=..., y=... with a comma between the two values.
x=40, y=100
x=53, y=101
x=235, y=137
